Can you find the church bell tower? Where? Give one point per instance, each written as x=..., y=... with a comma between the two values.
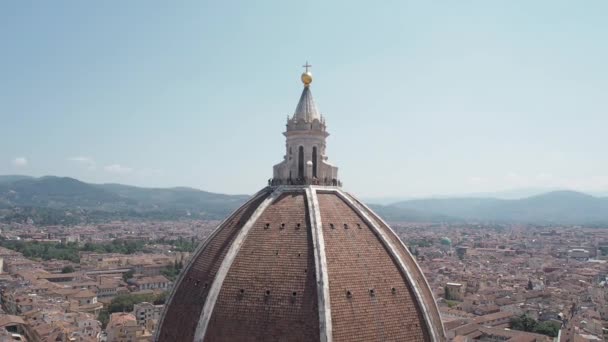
x=305, y=161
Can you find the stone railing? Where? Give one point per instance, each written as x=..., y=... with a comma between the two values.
x=304, y=181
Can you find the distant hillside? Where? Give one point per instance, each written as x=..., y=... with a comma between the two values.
x=63, y=200
x=566, y=207
x=52, y=200
x=58, y=192
x=12, y=178
x=181, y=198
x=396, y=214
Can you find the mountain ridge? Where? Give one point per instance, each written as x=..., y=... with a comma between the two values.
x=61, y=200
x=561, y=206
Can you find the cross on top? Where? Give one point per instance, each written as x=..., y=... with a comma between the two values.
x=306, y=66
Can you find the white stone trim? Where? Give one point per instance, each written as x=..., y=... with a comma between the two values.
x=303, y=187
x=195, y=255
x=355, y=205
x=321, y=276
x=442, y=332
x=216, y=286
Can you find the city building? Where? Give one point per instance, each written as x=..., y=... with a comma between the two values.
x=454, y=291
x=158, y=282
x=147, y=314
x=123, y=327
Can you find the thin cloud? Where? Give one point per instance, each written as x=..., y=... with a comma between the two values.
x=475, y=180
x=150, y=172
x=20, y=162
x=87, y=162
x=117, y=169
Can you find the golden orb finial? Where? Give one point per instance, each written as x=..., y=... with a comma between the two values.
x=306, y=75
x=306, y=78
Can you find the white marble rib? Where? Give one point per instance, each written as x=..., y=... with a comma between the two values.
x=325, y=326
x=216, y=286
x=435, y=335
x=198, y=251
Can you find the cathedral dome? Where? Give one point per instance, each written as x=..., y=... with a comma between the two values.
x=302, y=260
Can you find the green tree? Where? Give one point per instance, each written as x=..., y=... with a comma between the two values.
x=548, y=328
x=103, y=317
x=451, y=303
x=124, y=303
x=523, y=323
x=161, y=298
x=69, y=251
x=67, y=269
x=170, y=272
x=128, y=275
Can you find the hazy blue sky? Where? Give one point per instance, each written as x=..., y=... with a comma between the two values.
x=420, y=98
